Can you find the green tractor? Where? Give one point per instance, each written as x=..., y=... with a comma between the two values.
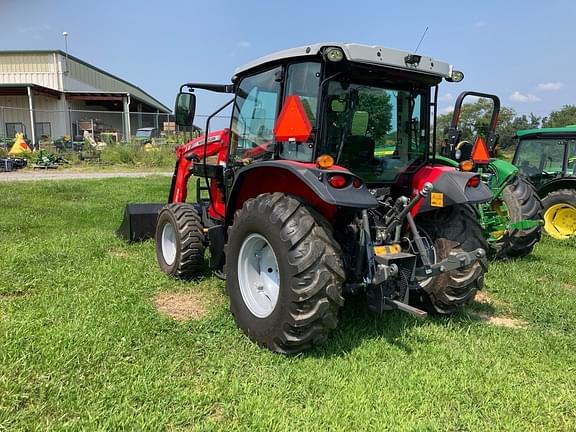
x=512, y=221
x=547, y=158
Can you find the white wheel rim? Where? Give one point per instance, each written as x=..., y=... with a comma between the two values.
x=169, y=244
x=258, y=275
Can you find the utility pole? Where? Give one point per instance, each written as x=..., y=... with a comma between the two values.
x=65, y=34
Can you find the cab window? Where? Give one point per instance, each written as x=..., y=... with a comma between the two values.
x=572, y=157
x=303, y=81
x=540, y=156
x=375, y=131
x=254, y=116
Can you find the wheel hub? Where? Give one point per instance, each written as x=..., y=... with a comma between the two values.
x=169, y=244
x=560, y=221
x=258, y=275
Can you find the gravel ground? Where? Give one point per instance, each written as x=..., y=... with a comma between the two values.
x=16, y=176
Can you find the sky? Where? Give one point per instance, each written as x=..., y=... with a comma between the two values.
x=523, y=51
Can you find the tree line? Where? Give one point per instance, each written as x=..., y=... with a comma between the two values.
x=475, y=118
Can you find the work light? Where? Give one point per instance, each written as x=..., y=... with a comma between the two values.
x=334, y=54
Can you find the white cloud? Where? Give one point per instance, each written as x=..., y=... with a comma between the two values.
x=446, y=110
x=549, y=86
x=243, y=44
x=445, y=97
x=480, y=24
x=519, y=97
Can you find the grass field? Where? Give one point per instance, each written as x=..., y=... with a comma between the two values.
x=82, y=346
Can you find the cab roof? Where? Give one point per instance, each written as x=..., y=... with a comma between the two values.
x=368, y=54
x=546, y=131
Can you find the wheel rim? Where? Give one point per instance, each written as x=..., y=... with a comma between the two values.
x=169, y=244
x=560, y=221
x=258, y=275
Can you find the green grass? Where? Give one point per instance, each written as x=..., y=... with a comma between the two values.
x=83, y=348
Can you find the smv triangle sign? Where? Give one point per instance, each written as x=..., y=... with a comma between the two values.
x=293, y=123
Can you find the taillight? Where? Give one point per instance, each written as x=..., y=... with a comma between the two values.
x=337, y=181
x=473, y=182
x=357, y=183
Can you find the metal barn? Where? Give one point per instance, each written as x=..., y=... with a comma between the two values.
x=49, y=94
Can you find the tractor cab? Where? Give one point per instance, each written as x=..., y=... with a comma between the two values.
x=365, y=108
x=546, y=154
x=547, y=158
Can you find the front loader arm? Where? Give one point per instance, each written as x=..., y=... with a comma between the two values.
x=192, y=152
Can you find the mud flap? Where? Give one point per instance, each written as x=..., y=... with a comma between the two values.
x=139, y=222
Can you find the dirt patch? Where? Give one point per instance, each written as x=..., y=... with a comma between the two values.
x=570, y=286
x=217, y=414
x=180, y=306
x=12, y=295
x=500, y=321
x=484, y=298
x=119, y=253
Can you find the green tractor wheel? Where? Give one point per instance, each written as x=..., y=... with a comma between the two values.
x=520, y=211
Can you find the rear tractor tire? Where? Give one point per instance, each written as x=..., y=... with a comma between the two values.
x=522, y=203
x=457, y=229
x=560, y=214
x=284, y=273
x=180, y=241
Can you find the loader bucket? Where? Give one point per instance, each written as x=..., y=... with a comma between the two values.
x=139, y=222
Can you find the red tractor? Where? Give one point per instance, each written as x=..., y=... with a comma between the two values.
x=323, y=187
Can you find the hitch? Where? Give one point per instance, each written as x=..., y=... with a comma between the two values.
x=418, y=313
x=454, y=261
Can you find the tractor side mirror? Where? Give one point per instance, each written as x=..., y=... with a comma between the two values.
x=185, y=108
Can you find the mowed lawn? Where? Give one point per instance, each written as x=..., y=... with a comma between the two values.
x=83, y=347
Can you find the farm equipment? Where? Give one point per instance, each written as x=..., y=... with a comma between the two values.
x=512, y=219
x=547, y=158
x=147, y=135
x=323, y=187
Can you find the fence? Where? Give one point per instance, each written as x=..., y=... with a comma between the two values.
x=54, y=124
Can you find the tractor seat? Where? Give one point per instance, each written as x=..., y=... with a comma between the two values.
x=358, y=151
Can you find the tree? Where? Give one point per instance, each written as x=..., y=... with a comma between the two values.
x=475, y=119
x=380, y=109
x=508, y=131
x=563, y=117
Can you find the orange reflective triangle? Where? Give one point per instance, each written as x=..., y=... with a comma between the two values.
x=480, y=153
x=293, y=123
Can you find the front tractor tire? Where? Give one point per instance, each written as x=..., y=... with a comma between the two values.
x=560, y=214
x=453, y=229
x=180, y=241
x=522, y=203
x=284, y=273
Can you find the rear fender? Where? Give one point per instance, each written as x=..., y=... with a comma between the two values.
x=560, y=183
x=299, y=179
x=504, y=171
x=451, y=184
